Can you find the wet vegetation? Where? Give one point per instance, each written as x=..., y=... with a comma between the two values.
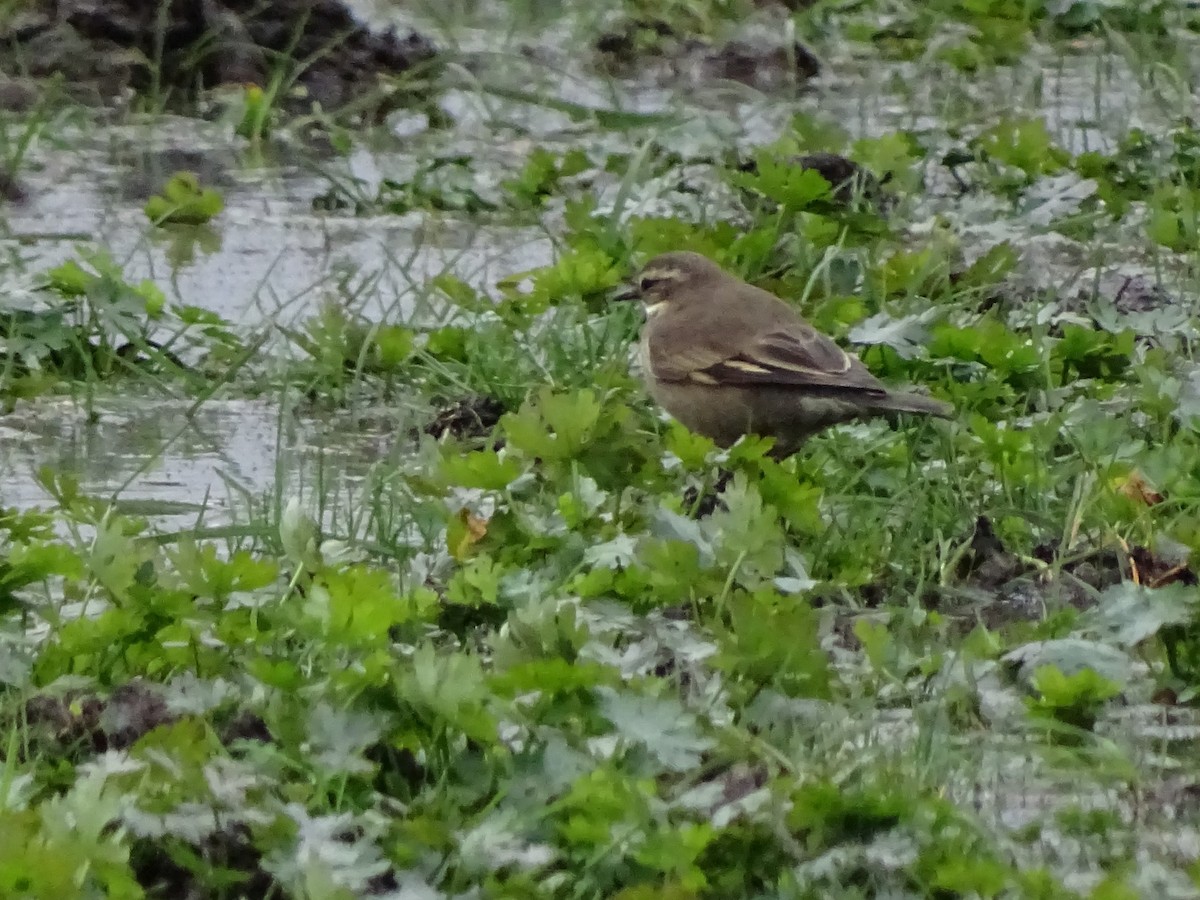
x=344, y=554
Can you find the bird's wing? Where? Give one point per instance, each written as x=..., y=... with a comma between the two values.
x=795, y=355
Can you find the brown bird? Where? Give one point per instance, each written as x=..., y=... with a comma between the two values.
x=726, y=358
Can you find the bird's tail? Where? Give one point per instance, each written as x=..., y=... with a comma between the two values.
x=917, y=403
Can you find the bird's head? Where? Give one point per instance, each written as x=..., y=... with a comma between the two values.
x=672, y=279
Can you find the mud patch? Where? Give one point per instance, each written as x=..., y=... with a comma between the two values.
x=97, y=723
x=985, y=561
x=468, y=418
x=88, y=721
x=180, y=47
x=10, y=189
x=761, y=65
x=182, y=875
x=1135, y=293
x=701, y=506
x=743, y=62
x=245, y=726
x=1111, y=300
x=1006, y=589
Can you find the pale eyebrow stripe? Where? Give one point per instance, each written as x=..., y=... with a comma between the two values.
x=662, y=274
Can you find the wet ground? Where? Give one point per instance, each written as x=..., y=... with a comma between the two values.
x=291, y=235
x=272, y=256
x=281, y=247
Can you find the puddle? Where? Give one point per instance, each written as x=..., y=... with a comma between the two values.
x=268, y=255
x=180, y=469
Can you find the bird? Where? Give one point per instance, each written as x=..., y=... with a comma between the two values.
x=726, y=359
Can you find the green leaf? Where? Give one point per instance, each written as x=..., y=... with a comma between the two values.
x=662, y=726
x=1072, y=655
x=337, y=739
x=990, y=268
x=449, y=689
x=746, y=535
x=576, y=274
x=184, y=202
x=477, y=583
x=1025, y=144
x=1128, y=613
x=205, y=573
x=553, y=425
x=358, y=606
x=70, y=279
x=393, y=345
x=114, y=557
x=775, y=640
x=793, y=188
x=483, y=469
x=906, y=335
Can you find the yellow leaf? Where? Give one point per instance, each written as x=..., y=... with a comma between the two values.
x=464, y=531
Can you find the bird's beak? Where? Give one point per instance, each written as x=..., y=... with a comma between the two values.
x=629, y=292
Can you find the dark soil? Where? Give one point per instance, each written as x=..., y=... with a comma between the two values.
x=639, y=40
x=91, y=721
x=10, y=189
x=470, y=417
x=1128, y=294
x=83, y=721
x=703, y=506
x=230, y=852
x=1007, y=589
x=79, y=725
x=177, y=48
x=742, y=61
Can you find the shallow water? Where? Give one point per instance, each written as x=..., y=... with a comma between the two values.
x=269, y=256
x=181, y=468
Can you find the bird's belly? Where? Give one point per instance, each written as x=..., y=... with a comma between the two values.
x=724, y=414
x=719, y=413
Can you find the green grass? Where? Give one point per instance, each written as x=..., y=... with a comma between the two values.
x=943, y=659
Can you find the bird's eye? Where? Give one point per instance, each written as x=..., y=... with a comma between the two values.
x=647, y=283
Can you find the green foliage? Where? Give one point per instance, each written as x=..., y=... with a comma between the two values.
x=564, y=429
x=1173, y=218
x=344, y=347
x=1073, y=700
x=793, y=188
x=184, y=202
x=580, y=274
x=258, y=112
x=91, y=324
x=543, y=174
x=1024, y=144
x=752, y=650
x=651, y=27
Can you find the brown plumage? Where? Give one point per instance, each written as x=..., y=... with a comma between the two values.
x=726, y=358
